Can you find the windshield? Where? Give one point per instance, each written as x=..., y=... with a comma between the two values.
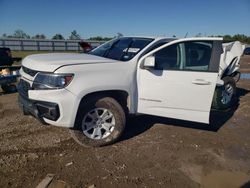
x=122, y=49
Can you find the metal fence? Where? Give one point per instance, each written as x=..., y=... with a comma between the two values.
x=44, y=44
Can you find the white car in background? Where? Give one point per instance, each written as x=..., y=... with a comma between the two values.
x=92, y=93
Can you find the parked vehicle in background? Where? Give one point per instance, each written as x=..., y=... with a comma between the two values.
x=8, y=73
x=5, y=57
x=247, y=51
x=86, y=47
x=92, y=93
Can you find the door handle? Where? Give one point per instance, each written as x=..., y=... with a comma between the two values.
x=201, y=82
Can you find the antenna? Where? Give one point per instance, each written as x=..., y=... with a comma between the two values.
x=186, y=35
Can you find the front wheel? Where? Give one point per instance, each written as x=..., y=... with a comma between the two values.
x=224, y=97
x=100, y=122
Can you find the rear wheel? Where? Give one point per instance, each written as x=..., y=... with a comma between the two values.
x=100, y=122
x=224, y=97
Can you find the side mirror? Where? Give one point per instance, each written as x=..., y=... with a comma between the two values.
x=149, y=62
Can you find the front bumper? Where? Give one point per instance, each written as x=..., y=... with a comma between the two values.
x=39, y=109
x=55, y=107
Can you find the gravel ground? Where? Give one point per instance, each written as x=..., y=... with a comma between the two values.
x=153, y=152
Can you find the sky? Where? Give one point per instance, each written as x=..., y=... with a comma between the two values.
x=130, y=17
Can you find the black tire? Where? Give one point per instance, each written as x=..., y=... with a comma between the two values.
x=113, y=107
x=9, y=88
x=219, y=102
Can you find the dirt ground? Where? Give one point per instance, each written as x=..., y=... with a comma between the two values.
x=245, y=64
x=153, y=152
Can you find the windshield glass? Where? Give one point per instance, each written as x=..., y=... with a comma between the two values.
x=122, y=49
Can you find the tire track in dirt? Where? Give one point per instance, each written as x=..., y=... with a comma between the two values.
x=22, y=133
x=8, y=112
x=64, y=146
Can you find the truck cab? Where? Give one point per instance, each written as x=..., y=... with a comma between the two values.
x=92, y=93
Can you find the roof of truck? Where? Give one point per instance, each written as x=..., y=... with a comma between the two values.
x=175, y=38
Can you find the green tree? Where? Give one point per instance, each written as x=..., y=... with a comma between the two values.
x=58, y=37
x=99, y=38
x=20, y=34
x=39, y=36
x=74, y=35
x=96, y=38
x=227, y=38
x=239, y=37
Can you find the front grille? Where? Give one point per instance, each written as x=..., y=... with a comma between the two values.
x=29, y=71
x=23, y=88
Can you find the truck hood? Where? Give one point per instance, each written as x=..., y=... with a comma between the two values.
x=51, y=62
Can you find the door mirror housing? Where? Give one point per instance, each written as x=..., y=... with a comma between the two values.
x=149, y=62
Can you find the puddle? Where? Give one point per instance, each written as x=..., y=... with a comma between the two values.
x=245, y=76
x=225, y=179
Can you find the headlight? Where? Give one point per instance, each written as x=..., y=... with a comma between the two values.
x=52, y=81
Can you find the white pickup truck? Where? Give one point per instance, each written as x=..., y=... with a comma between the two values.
x=92, y=93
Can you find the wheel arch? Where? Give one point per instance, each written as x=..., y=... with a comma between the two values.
x=233, y=60
x=121, y=96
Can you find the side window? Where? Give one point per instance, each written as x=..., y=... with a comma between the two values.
x=168, y=58
x=190, y=56
x=197, y=55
